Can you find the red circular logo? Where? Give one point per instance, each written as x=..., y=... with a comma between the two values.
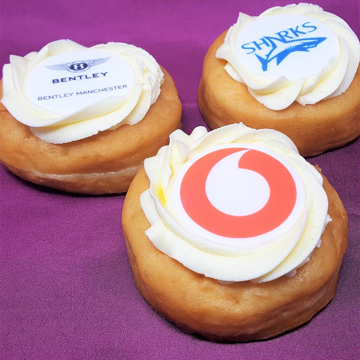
x=238, y=192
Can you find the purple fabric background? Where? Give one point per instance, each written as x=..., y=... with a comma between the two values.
x=66, y=288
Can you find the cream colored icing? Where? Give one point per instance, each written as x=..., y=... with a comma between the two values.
x=333, y=79
x=260, y=263
x=106, y=114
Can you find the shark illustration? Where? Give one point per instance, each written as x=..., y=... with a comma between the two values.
x=292, y=46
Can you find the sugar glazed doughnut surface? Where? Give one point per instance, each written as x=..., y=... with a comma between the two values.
x=231, y=310
x=105, y=162
x=314, y=125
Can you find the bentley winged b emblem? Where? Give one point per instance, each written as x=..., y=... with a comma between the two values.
x=78, y=66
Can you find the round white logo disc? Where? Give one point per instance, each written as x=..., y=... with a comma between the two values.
x=294, y=46
x=72, y=81
x=238, y=195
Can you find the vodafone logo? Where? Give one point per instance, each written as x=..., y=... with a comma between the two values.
x=238, y=195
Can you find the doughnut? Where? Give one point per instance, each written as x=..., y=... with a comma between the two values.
x=215, y=303
x=232, y=90
x=107, y=160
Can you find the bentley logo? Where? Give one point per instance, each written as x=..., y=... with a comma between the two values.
x=78, y=66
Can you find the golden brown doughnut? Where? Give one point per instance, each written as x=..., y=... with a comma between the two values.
x=100, y=164
x=241, y=311
x=313, y=128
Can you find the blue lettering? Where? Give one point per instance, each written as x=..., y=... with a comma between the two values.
x=296, y=31
x=284, y=34
x=262, y=42
x=248, y=48
x=309, y=27
x=271, y=38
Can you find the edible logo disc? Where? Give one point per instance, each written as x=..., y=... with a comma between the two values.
x=69, y=82
x=294, y=46
x=238, y=195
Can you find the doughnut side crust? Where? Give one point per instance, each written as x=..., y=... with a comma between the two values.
x=313, y=128
x=103, y=163
x=241, y=311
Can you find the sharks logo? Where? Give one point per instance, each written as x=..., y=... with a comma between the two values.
x=279, y=53
x=286, y=45
x=78, y=66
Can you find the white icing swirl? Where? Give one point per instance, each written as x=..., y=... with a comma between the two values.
x=258, y=263
x=103, y=114
x=331, y=79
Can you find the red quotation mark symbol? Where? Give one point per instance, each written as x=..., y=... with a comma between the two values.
x=278, y=208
